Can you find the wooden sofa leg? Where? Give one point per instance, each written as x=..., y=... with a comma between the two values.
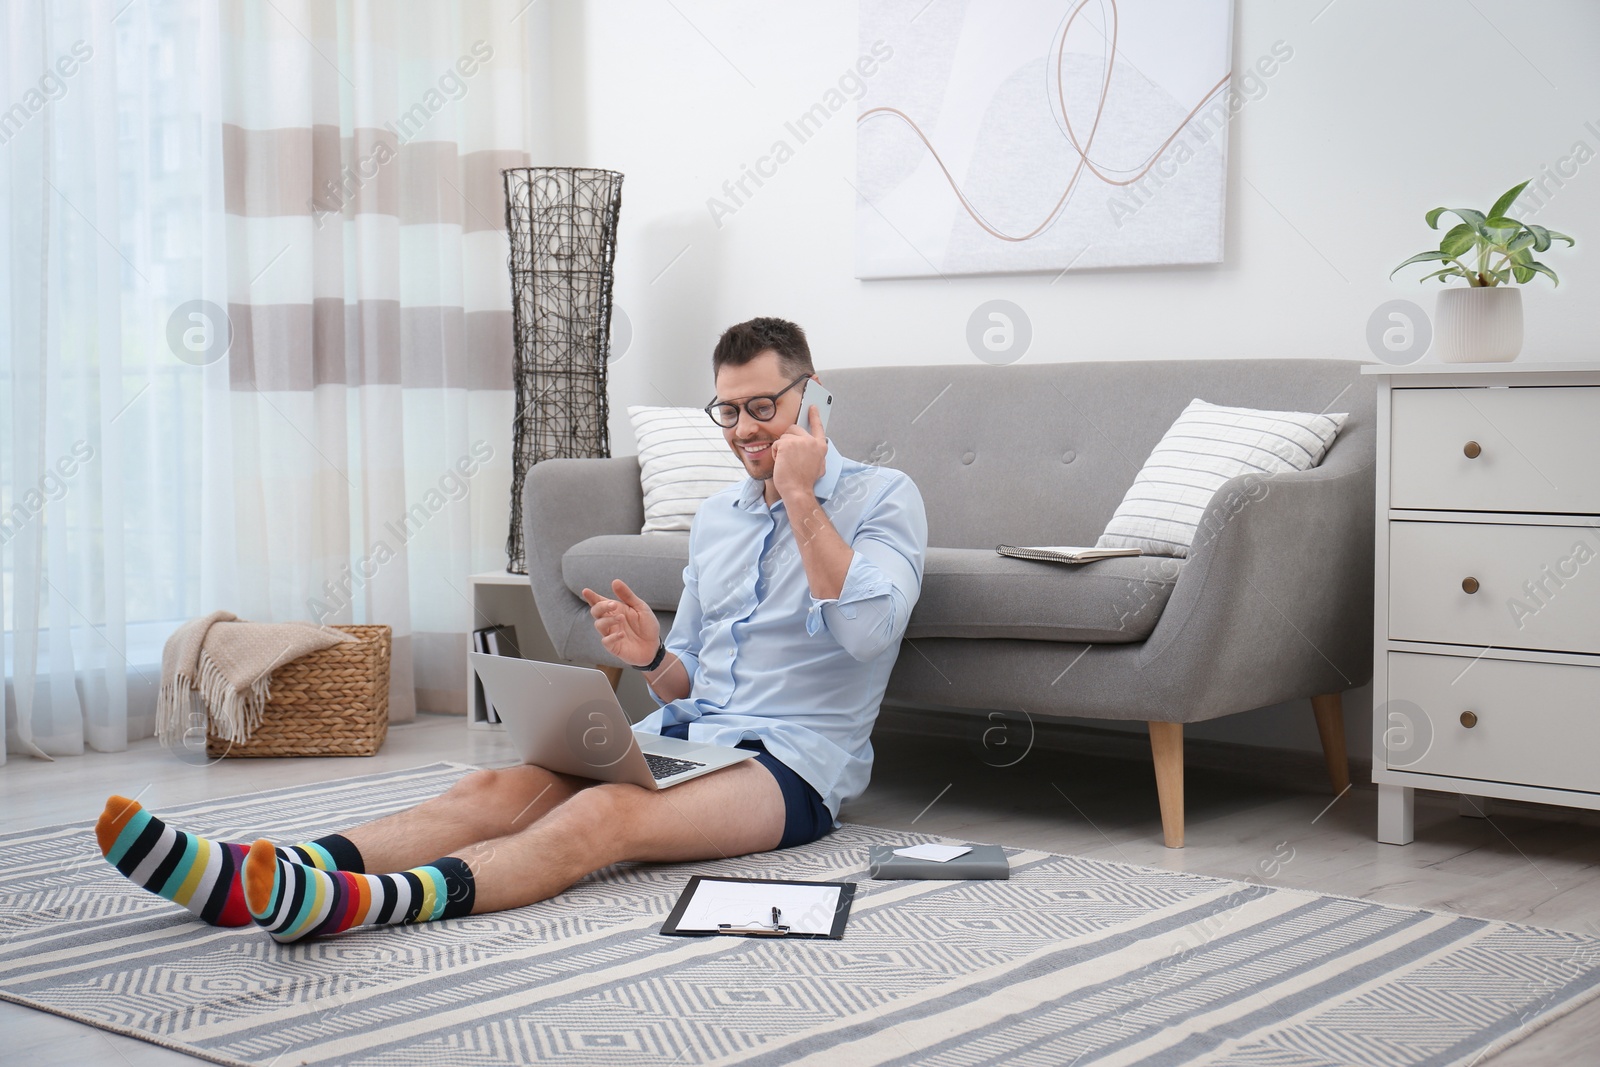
x=1329, y=711
x=1166, y=746
x=614, y=674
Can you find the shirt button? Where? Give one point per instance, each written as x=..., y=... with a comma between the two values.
x=730, y=653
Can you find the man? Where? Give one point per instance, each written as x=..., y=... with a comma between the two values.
x=800, y=580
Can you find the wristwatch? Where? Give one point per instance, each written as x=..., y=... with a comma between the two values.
x=661, y=654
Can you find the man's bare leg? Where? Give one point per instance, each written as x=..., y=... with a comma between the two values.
x=203, y=875
x=731, y=812
x=484, y=805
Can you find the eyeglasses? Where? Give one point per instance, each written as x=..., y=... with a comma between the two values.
x=725, y=413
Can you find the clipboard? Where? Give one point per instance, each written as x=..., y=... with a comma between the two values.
x=816, y=910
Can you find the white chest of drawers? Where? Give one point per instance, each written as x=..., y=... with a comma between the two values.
x=1486, y=658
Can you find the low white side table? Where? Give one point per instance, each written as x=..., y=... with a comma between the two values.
x=1486, y=672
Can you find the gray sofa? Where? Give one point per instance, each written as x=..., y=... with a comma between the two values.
x=1274, y=602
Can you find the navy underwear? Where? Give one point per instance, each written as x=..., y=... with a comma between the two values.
x=805, y=817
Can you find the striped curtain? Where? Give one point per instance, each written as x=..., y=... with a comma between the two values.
x=365, y=466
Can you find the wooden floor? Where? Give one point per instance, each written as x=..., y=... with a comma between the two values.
x=1095, y=798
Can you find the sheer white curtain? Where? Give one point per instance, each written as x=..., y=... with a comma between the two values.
x=103, y=227
x=254, y=334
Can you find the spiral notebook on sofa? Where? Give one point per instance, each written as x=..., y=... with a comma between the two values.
x=1063, y=553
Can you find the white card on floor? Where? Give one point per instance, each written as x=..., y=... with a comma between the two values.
x=936, y=853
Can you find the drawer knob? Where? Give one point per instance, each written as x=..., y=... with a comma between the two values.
x=1472, y=450
x=1469, y=719
x=1469, y=585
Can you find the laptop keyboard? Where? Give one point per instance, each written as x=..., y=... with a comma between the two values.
x=665, y=766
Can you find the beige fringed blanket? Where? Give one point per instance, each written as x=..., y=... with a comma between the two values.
x=230, y=662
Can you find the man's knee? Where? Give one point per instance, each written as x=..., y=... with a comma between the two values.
x=607, y=812
x=479, y=786
x=498, y=797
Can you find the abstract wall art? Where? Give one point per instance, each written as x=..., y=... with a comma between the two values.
x=1043, y=135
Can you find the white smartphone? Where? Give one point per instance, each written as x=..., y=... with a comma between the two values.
x=817, y=396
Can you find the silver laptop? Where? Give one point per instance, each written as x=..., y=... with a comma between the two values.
x=567, y=719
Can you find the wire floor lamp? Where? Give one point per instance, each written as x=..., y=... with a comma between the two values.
x=562, y=224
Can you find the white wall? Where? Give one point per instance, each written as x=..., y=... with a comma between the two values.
x=1383, y=111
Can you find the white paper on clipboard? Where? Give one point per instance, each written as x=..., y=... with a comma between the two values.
x=804, y=909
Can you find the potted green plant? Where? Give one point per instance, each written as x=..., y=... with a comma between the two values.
x=1482, y=323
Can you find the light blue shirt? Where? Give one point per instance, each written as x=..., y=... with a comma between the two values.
x=770, y=662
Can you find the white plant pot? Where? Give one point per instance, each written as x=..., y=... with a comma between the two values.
x=1479, y=324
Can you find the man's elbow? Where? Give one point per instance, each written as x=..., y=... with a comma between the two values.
x=871, y=628
x=866, y=646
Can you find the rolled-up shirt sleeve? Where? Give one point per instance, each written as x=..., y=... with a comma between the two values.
x=683, y=640
x=884, y=579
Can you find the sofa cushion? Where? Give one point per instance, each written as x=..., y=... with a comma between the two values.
x=975, y=592
x=1205, y=448
x=965, y=592
x=652, y=565
x=683, y=459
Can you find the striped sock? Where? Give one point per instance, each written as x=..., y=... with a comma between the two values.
x=291, y=900
x=200, y=874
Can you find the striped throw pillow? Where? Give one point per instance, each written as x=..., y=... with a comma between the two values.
x=683, y=459
x=1205, y=447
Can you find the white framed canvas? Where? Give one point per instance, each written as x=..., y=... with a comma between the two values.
x=1002, y=137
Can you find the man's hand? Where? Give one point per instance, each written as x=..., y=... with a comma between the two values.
x=627, y=627
x=799, y=456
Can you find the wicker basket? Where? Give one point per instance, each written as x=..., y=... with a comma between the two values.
x=329, y=703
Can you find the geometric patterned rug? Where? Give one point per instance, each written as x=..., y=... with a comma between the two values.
x=1071, y=961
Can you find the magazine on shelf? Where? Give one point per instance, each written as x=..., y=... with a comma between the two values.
x=498, y=640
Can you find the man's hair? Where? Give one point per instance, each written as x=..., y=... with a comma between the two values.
x=740, y=344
